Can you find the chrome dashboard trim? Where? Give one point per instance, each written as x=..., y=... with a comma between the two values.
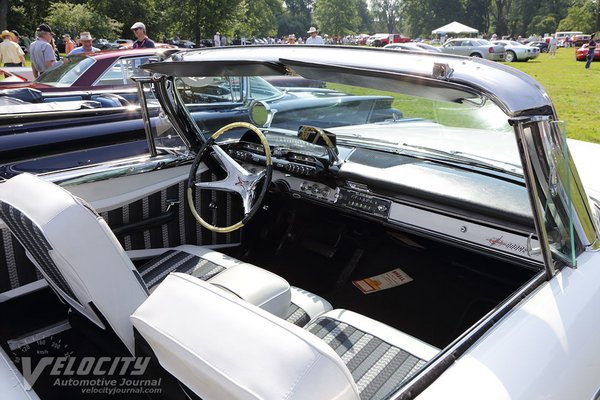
x=110, y=170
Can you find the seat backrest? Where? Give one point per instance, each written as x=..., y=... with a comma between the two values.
x=221, y=347
x=75, y=250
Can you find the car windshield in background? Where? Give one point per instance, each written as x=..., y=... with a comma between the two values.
x=68, y=72
x=369, y=118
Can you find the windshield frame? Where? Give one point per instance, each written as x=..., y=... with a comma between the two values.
x=71, y=62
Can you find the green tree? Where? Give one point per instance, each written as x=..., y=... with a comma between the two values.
x=500, y=11
x=543, y=24
x=423, y=16
x=583, y=15
x=388, y=12
x=74, y=18
x=337, y=17
x=129, y=12
x=260, y=19
x=366, y=17
x=477, y=14
x=202, y=19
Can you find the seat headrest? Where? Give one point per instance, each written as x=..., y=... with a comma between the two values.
x=222, y=347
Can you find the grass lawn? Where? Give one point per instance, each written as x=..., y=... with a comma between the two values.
x=571, y=87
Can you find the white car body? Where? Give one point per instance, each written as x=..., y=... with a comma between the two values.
x=516, y=51
x=460, y=174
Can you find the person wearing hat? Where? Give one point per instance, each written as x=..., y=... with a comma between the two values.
x=314, y=38
x=142, y=40
x=69, y=45
x=85, y=38
x=11, y=53
x=41, y=52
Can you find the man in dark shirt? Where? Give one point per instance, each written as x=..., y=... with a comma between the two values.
x=591, y=51
x=143, y=41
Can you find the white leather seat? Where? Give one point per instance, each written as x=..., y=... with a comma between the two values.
x=219, y=347
x=83, y=261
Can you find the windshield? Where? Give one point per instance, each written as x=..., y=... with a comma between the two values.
x=68, y=72
x=365, y=117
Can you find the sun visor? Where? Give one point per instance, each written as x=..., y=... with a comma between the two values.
x=434, y=89
x=217, y=68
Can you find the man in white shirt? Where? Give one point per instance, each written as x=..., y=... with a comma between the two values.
x=314, y=38
x=86, y=39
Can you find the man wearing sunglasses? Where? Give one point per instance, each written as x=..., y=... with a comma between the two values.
x=143, y=41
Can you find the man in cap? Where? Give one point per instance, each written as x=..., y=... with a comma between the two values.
x=142, y=40
x=69, y=45
x=41, y=52
x=11, y=53
x=314, y=38
x=85, y=38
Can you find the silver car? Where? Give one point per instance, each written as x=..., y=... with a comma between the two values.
x=413, y=46
x=516, y=51
x=474, y=48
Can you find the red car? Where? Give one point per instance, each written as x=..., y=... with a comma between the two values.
x=83, y=77
x=581, y=53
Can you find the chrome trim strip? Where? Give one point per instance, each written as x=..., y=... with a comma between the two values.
x=146, y=118
x=126, y=167
x=538, y=217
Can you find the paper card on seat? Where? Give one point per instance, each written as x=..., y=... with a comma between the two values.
x=383, y=281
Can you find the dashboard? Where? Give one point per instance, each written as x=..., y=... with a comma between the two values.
x=399, y=192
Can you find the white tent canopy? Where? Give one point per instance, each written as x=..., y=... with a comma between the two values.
x=454, y=27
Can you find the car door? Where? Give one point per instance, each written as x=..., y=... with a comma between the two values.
x=143, y=200
x=452, y=47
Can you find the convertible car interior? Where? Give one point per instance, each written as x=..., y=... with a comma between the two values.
x=345, y=258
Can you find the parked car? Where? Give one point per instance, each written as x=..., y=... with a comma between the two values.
x=564, y=38
x=88, y=130
x=413, y=46
x=7, y=76
x=127, y=43
x=516, y=51
x=83, y=77
x=541, y=45
x=452, y=252
x=475, y=48
x=579, y=40
x=182, y=43
x=381, y=39
x=582, y=52
x=104, y=44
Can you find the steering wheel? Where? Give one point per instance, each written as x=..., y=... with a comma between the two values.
x=238, y=179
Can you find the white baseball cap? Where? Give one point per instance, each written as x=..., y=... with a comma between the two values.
x=138, y=25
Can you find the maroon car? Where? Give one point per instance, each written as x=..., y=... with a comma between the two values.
x=581, y=53
x=82, y=77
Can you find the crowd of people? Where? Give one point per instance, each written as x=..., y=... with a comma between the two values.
x=44, y=53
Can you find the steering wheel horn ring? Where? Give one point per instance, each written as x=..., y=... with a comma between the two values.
x=238, y=179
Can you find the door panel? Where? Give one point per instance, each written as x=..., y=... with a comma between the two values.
x=147, y=211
